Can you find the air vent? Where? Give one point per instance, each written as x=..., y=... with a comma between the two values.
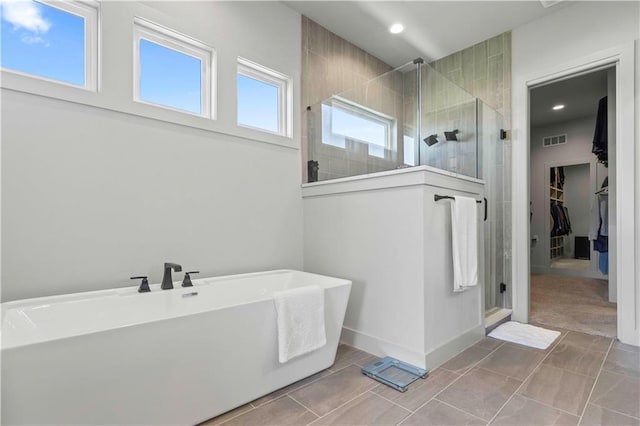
x=554, y=140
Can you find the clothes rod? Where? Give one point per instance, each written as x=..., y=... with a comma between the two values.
x=447, y=197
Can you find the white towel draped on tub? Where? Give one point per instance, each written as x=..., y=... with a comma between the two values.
x=464, y=233
x=300, y=313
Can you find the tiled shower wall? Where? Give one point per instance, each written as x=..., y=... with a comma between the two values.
x=447, y=107
x=484, y=70
x=332, y=66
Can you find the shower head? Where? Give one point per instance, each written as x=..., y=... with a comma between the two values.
x=451, y=136
x=431, y=140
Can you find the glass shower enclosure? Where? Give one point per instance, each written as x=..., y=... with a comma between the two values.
x=414, y=116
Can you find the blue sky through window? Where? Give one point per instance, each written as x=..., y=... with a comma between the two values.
x=357, y=127
x=257, y=104
x=42, y=40
x=342, y=123
x=170, y=78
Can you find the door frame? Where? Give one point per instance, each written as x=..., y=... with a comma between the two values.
x=627, y=204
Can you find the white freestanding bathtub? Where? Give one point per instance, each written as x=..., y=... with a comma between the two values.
x=176, y=356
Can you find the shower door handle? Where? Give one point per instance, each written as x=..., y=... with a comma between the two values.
x=486, y=208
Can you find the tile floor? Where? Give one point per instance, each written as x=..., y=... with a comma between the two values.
x=580, y=379
x=574, y=303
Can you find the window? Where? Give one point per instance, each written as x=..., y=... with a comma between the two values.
x=53, y=40
x=343, y=121
x=264, y=98
x=172, y=70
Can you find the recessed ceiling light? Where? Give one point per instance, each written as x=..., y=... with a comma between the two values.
x=396, y=28
x=558, y=107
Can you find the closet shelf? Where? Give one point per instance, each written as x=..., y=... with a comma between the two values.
x=556, y=195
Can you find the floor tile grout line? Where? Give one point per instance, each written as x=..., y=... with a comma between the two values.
x=604, y=360
x=548, y=405
x=629, y=351
x=388, y=400
x=341, y=405
x=408, y=417
x=551, y=348
x=305, y=407
x=339, y=369
x=460, y=409
x=618, y=373
x=537, y=351
x=481, y=367
x=472, y=366
x=288, y=392
x=621, y=373
x=348, y=365
x=502, y=342
x=453, y=381
x=237, y=415
x=586, y=349
x=307, y=384
x=571, y=371
x=615, y=411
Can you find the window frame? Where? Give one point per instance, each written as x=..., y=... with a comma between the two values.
x=282, y=82
x=361, y=111
x=89, y=10
x=181, y=43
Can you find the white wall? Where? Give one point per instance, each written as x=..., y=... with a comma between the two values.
x=575, y=37
x=93, y=193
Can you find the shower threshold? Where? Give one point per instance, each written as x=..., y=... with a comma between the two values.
x=495, y=317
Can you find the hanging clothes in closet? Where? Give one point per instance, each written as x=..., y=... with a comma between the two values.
x=601, y=135
x=560, y=220
x=600, y=227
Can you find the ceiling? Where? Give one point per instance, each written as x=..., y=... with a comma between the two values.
x=433, y=29
x=579, y=95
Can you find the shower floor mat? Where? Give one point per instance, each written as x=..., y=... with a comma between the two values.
x=525, y=334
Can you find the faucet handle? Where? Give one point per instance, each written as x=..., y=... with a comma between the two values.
x=144, y=285
x=187, y=278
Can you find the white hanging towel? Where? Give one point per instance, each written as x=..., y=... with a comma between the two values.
x=300, y=316
x=464, y=233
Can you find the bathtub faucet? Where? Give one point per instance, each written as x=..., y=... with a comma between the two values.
x=167, y=281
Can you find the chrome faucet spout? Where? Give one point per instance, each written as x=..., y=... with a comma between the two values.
x=167, y=281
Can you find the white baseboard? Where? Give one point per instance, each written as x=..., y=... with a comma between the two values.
x=380, y=347
x=446, y=351
x=430, y=360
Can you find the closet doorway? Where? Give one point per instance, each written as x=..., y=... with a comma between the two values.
x=572, y=187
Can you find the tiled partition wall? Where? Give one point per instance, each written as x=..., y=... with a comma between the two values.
x=484, y=70
x=332, y=66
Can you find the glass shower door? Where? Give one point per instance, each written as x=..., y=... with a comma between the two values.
x=491, y=170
